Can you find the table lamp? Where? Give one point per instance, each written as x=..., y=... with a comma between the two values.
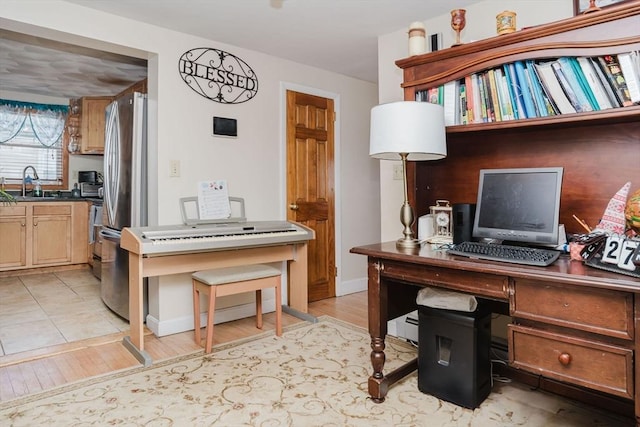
x=407, y=130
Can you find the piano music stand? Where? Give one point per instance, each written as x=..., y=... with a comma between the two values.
x=184, y=201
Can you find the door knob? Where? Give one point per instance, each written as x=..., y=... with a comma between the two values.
x=293, y=207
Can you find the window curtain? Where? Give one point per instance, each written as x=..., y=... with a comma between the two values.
x=46, y=120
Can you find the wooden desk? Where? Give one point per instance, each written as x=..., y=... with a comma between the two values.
x=571, y=322
x=141, y=266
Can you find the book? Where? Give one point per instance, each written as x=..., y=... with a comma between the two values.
x=557, y=94
x=491, y=115
x=504, y=95
x=523, y=84
x=628, y=64
x=462, y=99
x=493, y=90
x=468, y=82
x=611, y=69
x=613, y=98
x=434, y=95
x=581, y=104
x=516, y=93
x=451, y=103
x=594, y=82
x=477, y=100
x=483, y=99
x=536, y=89
x=583, y=84
x=547, y=100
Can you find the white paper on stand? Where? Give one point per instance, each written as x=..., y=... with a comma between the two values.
x=213, y=200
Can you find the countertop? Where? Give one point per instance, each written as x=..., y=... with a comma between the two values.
x=94, y=200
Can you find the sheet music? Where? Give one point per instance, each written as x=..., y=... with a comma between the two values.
x=213, y=200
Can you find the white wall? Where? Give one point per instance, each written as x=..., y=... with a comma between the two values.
x=481, y=24
x=180, y=124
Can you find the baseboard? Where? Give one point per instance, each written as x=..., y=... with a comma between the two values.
x=351, y=287
x=185, y=323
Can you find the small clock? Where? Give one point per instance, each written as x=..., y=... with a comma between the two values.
x=442, y=213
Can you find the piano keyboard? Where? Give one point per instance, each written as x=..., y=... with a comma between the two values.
x=217, y=237
x=210, y=237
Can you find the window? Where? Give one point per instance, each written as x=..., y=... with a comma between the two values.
x=31, y=135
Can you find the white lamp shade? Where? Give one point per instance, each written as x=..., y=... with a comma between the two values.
x=415, y=128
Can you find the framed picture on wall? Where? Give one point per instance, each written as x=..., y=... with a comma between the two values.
x=579, y=6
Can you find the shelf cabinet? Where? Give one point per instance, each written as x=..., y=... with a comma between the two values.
x=598, y=150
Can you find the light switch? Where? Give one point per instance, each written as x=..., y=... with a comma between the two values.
x=174, y=168
x=397, y=172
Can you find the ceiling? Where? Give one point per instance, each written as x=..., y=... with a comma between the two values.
x=335, y=35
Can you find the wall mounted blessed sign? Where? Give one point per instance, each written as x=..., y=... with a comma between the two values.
x=218, y=75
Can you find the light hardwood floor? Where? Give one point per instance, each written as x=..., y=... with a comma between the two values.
x=42, y=369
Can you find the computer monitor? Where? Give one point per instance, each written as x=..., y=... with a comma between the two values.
x=519, y=205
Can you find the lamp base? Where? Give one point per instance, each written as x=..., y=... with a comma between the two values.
x=407, y=243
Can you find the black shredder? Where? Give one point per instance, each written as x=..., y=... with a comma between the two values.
x=454, y=354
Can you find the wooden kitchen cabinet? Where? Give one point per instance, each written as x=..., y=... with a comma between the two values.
x=51, y=234
x=39, y=234
x=13, y=229
x=92, y=123
x=84, y=132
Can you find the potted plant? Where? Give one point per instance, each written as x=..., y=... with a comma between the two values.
x=6, y=198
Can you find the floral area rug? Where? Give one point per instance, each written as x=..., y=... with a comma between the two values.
x=314, y=375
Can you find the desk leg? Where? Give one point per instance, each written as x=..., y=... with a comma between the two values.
x=377, y=300
x=135, y=343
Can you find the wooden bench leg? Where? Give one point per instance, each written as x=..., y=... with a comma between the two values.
x=211, y=308
x=278, y=307
x=196, y=313
x=259, y=308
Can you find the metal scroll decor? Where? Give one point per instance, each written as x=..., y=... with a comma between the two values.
x=218, y=75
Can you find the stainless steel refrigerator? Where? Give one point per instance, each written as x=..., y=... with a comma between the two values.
x=125, y=195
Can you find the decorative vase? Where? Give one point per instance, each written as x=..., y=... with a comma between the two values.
x=505, y=22
x=458, y=22
x=417, y=39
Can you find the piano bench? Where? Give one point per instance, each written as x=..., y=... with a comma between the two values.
x=230, y=281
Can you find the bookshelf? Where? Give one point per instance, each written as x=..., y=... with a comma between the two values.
x=599, y=150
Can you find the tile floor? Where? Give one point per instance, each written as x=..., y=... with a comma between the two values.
x=41, y=310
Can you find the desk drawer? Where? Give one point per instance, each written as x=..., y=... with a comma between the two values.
x=592, y=310
x=477, y=283
x=587, y=363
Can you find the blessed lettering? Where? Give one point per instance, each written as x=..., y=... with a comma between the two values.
x=217, y=75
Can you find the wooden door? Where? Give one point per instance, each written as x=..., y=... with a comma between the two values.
x=310, y=184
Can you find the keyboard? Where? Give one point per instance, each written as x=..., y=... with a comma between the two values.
x=506, y=253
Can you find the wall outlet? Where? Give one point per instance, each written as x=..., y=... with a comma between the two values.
x=397, y=172
x=174, y=168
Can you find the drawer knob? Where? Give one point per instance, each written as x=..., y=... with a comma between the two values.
x=564, y=359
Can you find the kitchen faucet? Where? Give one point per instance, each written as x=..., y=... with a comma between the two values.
x=24, y=174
